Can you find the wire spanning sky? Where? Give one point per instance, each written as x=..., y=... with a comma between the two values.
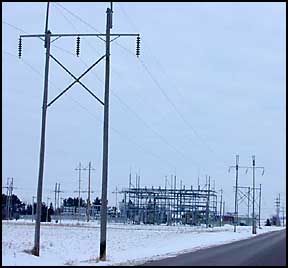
x=210, y=83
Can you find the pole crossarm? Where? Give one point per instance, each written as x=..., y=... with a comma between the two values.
x=71, y=35
x=76, y=80
x=235, y=167
x=247, y=168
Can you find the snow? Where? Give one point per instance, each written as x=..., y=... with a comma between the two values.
x=73, y=243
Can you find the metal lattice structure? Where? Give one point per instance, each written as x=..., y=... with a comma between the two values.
x=170, y=206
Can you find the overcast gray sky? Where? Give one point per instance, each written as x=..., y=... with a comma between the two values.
x=210, y=83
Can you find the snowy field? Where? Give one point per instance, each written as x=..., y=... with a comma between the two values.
x=78, y=244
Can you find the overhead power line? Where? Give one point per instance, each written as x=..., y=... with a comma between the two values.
x=119, y=133
x=127, y=106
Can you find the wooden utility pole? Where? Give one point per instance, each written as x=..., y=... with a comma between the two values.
x=103, y=223
x=221, y=191
x=79, y=188
x=248, y=205
x=55, y=203
x=283, y=215
x=46, y=37
x=260, y=207
x=35, y=250
x=208, y=203
x=9, y=197
x=237, y=167
x=89, y=191
x=47, y=208
x=33, y=207
x=254, y=167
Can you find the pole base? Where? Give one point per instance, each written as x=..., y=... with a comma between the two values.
x=35, y=251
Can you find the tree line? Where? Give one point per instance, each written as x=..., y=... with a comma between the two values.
x=14, y=207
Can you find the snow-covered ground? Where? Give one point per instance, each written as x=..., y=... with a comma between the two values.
x=78, y=244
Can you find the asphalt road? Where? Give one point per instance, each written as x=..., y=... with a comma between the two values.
x=263, y=250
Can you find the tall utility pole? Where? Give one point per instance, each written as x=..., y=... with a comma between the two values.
x=254, y=167
x=59, y=204
x=253, y=204
x=79, y=188
x=174, y=203
x=283, y=216
x=248, y=205
x=46, y=37
x=236, y=191
x=116, y=203
x=89, y=191
x=35, y=250
x=80, y=168
x=88, y=199
x=260, y=206
x=33, y=207
x=58, y=192
x=47, y=208
x=9, y=197
x=208, y=204
x=55, y=203
x=103, y=223
x=237, y=167
x=277, y=203
x=221, y=191
x=253, y=197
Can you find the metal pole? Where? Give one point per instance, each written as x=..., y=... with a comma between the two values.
x=260, y=206
x=253, y=204
x=88, y=201
x=103, y=224
x=236, y=190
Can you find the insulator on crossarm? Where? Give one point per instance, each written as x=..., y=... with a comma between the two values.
x=20, y=48
x=138, y=46
x=78, y=46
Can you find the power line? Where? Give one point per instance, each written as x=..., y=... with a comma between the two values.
x=74, y=15
x=172, y=104
x=127, y=106
x=146, y=69
x=73, y=25
x=98, y=119
x=163, y=92
x=13, y=26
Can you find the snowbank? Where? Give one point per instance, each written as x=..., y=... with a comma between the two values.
x=78, y=244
